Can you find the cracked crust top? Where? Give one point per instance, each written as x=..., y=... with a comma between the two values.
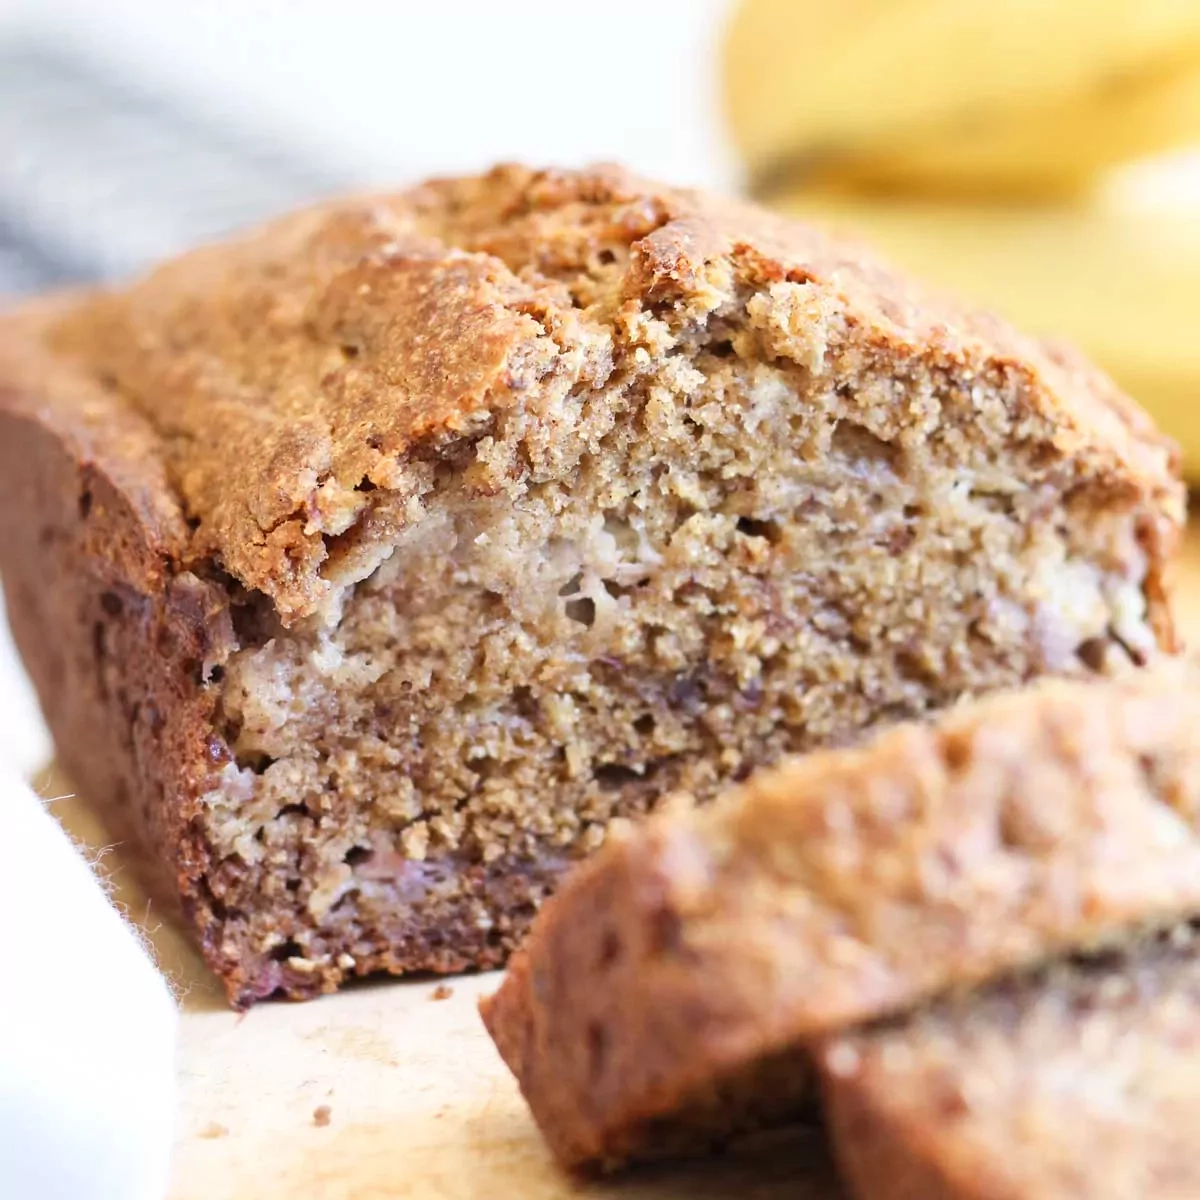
x=299, y=391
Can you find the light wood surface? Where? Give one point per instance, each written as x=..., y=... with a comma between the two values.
x=418, y=1103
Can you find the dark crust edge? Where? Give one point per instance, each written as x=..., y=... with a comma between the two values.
x=876, y=1157
x=116, y=644
x=620, y=1036
x=118, y=641
x=594, y=1095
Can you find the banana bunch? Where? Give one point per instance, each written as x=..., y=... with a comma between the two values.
x=983, y=96
x=973, y=143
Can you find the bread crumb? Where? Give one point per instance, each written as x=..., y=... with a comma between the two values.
x=842, y=1061
x=213, y=1130
x=322, y=1114
x=414, y=841
x=443, y=991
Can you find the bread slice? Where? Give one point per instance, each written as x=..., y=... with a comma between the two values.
x=675, y=988
x=370, y=565
x=1078, y=1081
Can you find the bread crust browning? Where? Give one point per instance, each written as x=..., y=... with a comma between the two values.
x=301, y=364
x=117, y=637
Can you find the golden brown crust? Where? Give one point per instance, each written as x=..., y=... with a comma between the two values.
x=302, y=368
x=847, y=885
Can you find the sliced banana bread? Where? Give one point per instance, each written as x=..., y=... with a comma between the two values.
x=679, y=985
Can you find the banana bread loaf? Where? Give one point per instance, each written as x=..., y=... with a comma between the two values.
x=678, y=987
x=369, y=566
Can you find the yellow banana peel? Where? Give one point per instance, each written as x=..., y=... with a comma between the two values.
x=1058, y=151
x=1017, y=95
x=1119, y=278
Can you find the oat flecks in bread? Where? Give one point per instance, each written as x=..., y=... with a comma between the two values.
x=694, y=957
x=1078, y=1081
x=369, y=566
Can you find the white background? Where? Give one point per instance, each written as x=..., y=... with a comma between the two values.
x=399, y=90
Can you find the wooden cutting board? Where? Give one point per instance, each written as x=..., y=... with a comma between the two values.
x=384, y=1091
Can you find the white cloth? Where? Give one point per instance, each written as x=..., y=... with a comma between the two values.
x=87, y=1027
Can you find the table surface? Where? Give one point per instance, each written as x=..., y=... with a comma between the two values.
x=419, y=1105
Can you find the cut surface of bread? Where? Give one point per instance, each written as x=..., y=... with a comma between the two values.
x=679, y=981
x=1080, y=1080
x=370, y=565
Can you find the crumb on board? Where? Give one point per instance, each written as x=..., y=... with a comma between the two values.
x=213, y=1130
x=322, y=1114
x=443, y=991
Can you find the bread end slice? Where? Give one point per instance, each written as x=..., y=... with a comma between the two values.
x=1076, y=1080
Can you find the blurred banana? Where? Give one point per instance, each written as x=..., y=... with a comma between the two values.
x=1061, y=151
x=1117, y=278
x=1024, y=96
